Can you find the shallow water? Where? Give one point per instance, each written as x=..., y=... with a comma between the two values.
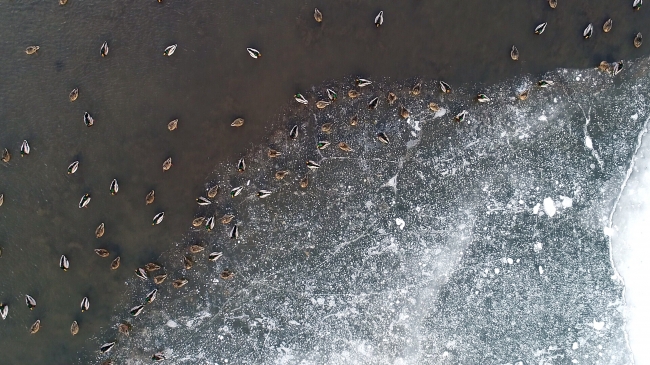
x=210, y=80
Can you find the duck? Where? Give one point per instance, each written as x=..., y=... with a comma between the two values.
x=379, y=19
x=552, y=4
x=214, y=256
x=172, y=125
x=326, y=128
x=608, y=25
x=151, y=296
x=300, y=98
x=115, y=264
x=353, y=94
x=196, y=248
x=321, y=145
x=227, y=218
x=213, y=191
x=304, y=182
x=273, y=153
x=135, y=311
x=373, y=103
x=6, y=156
x=362, y=82
x=638, y=40
x=158, y=356
x=203, y=201
x=460, y=117
x=391, y=98
x=237, y=122
x=416, y=89
x=636, y=4
x=209, y=224
x=167, y=164
x=106, y=347
x=115, y=187
x=318, y=16
x=151, y=266
x=482, y=98
x=254, y=53
x=159, y=279
x=2, y=200
x=234, y=232
x=236, y=191
x=322, y=104
x=141, y=273
x=31, y=302
x=618, y=67
x=263, y=194
x=170, y=50
x=179, y=283
x=63, y=2
x=434, y=107
x=332, y=95
x=83, y=203
x=523, y=95
x=24, y=148
x=104, y=49
x=102, y=252
x=514, y=53
x=343, y=147
x=403, y=112
x=588, y=32
x=293, y=133
x=32, y=49
x=382, y=137
x=312, y=165
x=85, y=304
x=198, y=222
x=603, y=66
x=545, y=83
x=74, y=328
x=74, y=94
x=444, y=87
x=226, y=274
x=540, y=28
x=35, y=327
x=73, y=167
x=88, y=120
x=241, y=165
x=158, y=218
x=4, y=311
x=151, y=196
x=64, y=263
x=124, y=328
x=354, y=120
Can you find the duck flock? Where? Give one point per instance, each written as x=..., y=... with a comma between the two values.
x=153, y=271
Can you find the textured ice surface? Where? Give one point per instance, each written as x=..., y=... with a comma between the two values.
x=479, y=242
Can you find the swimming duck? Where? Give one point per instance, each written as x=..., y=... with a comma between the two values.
x=198, y=222
x=241, y=165
x=150, y=197
x=321, y=145
x=444, y=87
x=545, y=83
x=135, y=311
x=352, y=94
x=312, y=165
x=74, y=94
x=373, y=103
x=72, y=168
x=84, y=201
x=226, y=274
x=304, y=182
x=158, y=356
x=540, y=28
x=24, y=148
x=179, y=283
x=170, y=50
x=6, y=156
x=104, y=49
x=115, y=187
x=636, y=5
x=213, y=191
x=236, y=191
x=172, y=125
x=321, y=104
x=237, y=122
x=2, y=200
x=638, y=39
x=318, y=15
x=64, y=263
x=167, y=164
x=234, y=232
x=403, y=112
x=254, y=53
x=4, y=311
x=102, y=252
x=158, y=218
x=362, y=82
x=326, y=128
x=99, y=232
x=214, y=256
x=293, y=133
x=587, y=33
x=32, y=49
x=263, y=194
x=608, y=25
x=74, y=328
x=85, y=304
x=382, y=137
x=523, y=95
x=332, y=95
x=63, y=2
x=209, y=224
x=379, y=19
x=391, y=98
x=88, y=120
x=115, y=264
x=141, y=273
x=300, y=98
x=273, y=153
x=354, y=120
x=514, y=53
x=227, y=218
x=433, y=107
x=203, y=201
x=416, y=89
x=151, y=266
x=196, y=248
x=31, y=302
x=552, y=4
x=482, y=98
x=344, y=147
x=151, y=296
x=618, y=67
x=106, y=347
x=159, y=279
x=35, y=327
x=460, y=117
